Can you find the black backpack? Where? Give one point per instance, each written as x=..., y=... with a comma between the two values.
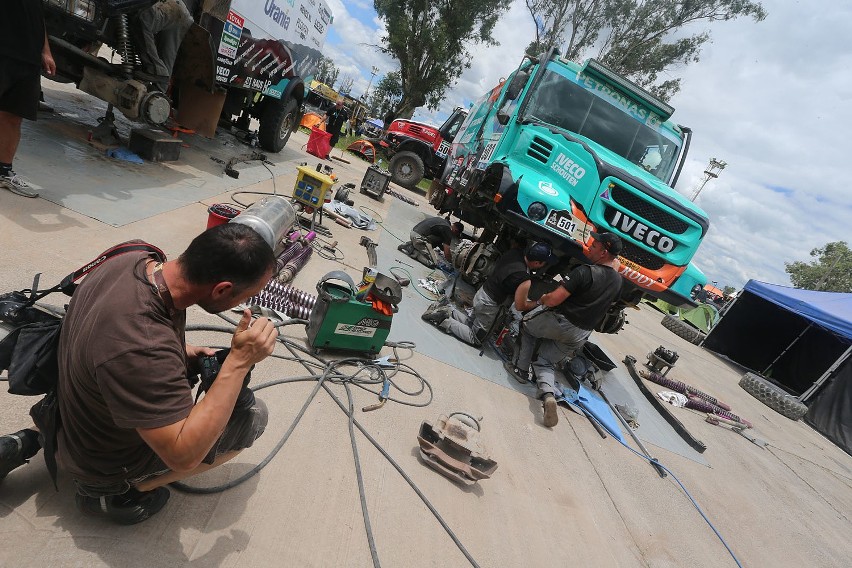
x=30, y=351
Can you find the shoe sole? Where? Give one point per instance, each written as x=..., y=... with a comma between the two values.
x=129, y=516
x=18, y=191
x=551, y=416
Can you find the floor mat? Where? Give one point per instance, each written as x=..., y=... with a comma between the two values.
x=56, y=158
x=431, y=341
x=407, y=324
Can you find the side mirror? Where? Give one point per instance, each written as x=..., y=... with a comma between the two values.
x=502, y=117
x=517, y=85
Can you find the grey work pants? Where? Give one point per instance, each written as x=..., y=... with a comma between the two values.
x=424, y=252
x=552, y=328
x=472, y=329
x=158, y=33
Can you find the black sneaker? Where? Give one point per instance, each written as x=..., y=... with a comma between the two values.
x=519, y=375
x=406, y=248
x=11, y=454
x=436, y=315
x=125, y=509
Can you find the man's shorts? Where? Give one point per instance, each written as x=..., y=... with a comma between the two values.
x=20, y=87
x=240, y=433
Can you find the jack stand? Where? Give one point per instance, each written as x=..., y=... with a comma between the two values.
x=105, y=132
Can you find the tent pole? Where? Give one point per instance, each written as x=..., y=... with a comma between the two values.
x=812, y=390
x=810, y=325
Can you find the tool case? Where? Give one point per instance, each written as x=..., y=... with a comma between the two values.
x=339, y=320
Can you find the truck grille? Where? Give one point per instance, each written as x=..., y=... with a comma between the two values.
x=644, y=210
x=641, y=257
x=540, y=150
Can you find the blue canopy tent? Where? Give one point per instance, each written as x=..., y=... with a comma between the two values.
x=801, y=340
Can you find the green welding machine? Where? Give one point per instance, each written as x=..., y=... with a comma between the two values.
x=341, y=320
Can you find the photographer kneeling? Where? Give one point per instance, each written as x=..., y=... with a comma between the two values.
x=129, y=425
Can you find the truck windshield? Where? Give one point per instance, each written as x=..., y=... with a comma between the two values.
x=585, y=106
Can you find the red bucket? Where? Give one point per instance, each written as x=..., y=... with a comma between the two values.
x=219, y=214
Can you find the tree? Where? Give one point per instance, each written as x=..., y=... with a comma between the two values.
x=640, y=39
x=386, y=95
x=327, y=71
x=728, y=290
x=831, y=271
x=346, y=84
x=431, y=39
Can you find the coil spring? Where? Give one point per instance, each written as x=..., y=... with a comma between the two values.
x=682, y=388
x=124, y=46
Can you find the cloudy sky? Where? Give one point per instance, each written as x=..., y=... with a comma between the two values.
x=772, y=99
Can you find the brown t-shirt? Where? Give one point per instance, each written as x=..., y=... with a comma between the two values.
x=122, y=366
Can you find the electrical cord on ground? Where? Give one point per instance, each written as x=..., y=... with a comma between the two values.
x=346, y=380
x=656, y=463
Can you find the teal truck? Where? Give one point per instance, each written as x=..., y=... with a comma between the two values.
x=559, y=150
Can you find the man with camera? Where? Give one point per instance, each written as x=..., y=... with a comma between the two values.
x=129, y=424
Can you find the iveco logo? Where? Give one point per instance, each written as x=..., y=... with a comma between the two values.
x=642, y=232
x=547, y=187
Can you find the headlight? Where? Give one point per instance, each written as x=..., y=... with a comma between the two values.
x=537, y=211
x=695, y=291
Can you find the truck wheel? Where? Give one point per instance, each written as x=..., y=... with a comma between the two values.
x=772, y=396
x=682, y=329
x=406, y=169
x=276, y=124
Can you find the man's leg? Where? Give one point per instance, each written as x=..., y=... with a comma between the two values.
x=171, y=36
x=10, y=136
x=17, y=448
x=423, y=250
x=133, y=501
x=542, y=326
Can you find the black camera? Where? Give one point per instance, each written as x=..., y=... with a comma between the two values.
x=210, y=366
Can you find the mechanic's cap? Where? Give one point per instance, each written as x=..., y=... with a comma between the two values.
x=539, y=252
x=610, y=241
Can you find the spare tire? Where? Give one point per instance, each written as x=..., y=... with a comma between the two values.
x=772, y=396
x=682, y=329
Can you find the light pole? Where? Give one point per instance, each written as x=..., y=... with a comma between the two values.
x=373, y=72
x=714, y=168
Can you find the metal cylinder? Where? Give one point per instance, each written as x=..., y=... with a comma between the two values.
x=271, y=217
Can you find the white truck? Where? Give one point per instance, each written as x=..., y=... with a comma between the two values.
x=241, y=59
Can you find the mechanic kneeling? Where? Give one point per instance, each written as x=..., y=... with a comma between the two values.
x=129, y=425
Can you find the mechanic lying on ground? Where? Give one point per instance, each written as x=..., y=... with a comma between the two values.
x=128, y=422
x=512, y=269
x=426, y=235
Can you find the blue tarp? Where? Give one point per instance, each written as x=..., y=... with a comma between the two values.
x=830, y=310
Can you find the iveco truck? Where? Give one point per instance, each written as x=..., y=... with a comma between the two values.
x=559, y=150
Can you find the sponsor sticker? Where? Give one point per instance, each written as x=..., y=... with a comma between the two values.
x=356, y=330
x=485, y=158
x=547, y=187
x=236, y=19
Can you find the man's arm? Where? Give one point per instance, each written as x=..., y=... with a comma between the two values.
x=47, y=57
x=522, y=294
x=184, y=444
x=448, y=254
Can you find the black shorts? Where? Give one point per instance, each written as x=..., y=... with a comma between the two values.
x=20, y=86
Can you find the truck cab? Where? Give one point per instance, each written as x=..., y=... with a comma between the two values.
x=417, y=150
x=560, y=150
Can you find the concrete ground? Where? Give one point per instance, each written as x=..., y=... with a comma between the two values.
x=561, y=496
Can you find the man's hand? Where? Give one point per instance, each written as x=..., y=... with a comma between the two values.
x=253, y=341
x=193, y=352
x=47, y=62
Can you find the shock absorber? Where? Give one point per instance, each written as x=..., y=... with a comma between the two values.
x=124, y=46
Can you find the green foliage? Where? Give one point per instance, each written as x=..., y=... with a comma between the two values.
x=327, y=71
x=386, y=95
x=728, y=290
x=831, y=271
x=640, y=39
x=431, y=39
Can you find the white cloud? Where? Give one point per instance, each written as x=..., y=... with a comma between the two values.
x=772, y=99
